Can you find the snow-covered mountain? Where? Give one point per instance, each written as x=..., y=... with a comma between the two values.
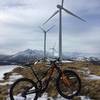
x=21, y=57
x=80, y=55
x=26, y=56
x=29, y=55
x=4, y=57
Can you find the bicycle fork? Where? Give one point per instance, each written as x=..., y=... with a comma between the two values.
x=66, y=80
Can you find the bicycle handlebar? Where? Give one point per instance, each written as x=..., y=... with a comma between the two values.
x=31, y=64
x=37, y=61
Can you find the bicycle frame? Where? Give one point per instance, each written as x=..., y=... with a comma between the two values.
x=49, y=73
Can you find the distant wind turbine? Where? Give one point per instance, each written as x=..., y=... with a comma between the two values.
x=60, y=8
x=45, y=37
x=53, y=50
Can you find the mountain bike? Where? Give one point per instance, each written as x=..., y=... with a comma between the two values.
x=68, y=83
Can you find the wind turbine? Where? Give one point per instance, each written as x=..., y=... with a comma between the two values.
x=45, y=37
x=60, y=8
x=53, y=50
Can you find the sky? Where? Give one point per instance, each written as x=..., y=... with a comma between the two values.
x=20, y=21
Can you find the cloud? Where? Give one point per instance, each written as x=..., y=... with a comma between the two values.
x=88, y=42
x=19, y=21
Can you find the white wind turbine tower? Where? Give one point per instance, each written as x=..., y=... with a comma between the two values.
x=45, y=38
x=60, y=8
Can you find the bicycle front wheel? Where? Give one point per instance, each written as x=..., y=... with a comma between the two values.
x=68, y=84
x=23, y=89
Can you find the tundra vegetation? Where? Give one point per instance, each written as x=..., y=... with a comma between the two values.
x=90, y=87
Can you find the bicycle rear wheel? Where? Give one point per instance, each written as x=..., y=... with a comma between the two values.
x=68, y=84
x=23, y=89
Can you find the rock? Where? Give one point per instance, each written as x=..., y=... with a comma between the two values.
x=6, y=75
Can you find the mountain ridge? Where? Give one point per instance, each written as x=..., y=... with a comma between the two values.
x=29, y=55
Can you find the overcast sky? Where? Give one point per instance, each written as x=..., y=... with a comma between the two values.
x=19, y=21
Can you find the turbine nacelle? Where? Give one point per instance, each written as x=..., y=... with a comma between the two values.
x=59, y=6
x=44, y=31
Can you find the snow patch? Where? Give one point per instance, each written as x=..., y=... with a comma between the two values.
x=85, y=98
x=5, y=69
x=6, y=83
x=93, y=77
x=14, y=77
x=30, y=97
x=66, y=61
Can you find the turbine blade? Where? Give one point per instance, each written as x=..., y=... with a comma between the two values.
x=73, y=14
x=50, y=28
x=62, y=3
x=51, y=17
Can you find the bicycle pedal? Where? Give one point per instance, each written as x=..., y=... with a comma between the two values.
x=39, y=94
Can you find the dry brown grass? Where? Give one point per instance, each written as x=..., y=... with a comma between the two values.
x=89, y=88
